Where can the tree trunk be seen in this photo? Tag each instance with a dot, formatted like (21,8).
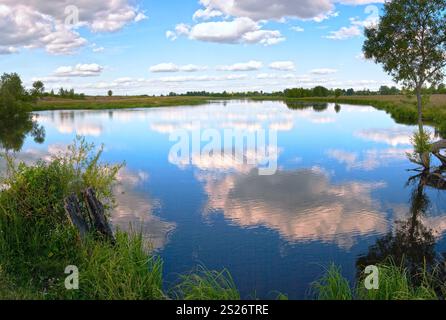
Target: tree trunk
(436,151)
(425,157)
(420,109)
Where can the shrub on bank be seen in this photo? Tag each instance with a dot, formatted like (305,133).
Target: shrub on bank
(37,241)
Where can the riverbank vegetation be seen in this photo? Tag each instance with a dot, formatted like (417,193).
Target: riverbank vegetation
(395,283)
(403,109)
(38,242)
(115,102)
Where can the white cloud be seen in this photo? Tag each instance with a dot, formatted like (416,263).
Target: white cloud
(164,67)
(258,10)
(242,21)
(171,67)
(265,37)
(356,26)
(323,71)
(79,70)
(98,49)
(192,68)
(297,29)
(41,24)
(325,16)
(239,30)
(283,66)
(270,9)
(246,66)
(206,14)
(8,50)
(345,33)
(171,35)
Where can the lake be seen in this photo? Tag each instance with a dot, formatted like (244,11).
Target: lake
(334,182)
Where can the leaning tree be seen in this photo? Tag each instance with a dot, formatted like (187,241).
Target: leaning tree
(410,42)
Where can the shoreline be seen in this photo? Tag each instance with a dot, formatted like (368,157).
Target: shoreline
(401,108)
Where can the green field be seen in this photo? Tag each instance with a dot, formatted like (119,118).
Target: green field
(115,102)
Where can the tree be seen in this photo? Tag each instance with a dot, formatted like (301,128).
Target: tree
(410,43)
(11,84)
(16,122)
(350,92)
(38,88)
(320,91)
(384,90)
(338,93)
(110,93)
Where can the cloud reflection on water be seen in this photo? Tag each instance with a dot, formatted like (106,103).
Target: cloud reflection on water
(300,205)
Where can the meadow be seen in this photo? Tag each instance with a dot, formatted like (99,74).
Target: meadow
(118,102)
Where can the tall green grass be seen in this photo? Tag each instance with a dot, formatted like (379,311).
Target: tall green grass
(395,283)
(332,286)
(37,241)
(207,285)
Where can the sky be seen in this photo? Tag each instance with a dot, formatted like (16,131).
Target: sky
(155,47)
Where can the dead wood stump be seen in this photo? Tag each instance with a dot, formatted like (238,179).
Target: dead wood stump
(88,215)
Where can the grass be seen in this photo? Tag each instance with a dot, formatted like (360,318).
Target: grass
(395,283)
(207,285)
(332,286)
(37,242)
(98,103)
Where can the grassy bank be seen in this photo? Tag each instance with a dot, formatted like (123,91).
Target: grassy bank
(394,283)
(38,242)
(402,108)
(115,103)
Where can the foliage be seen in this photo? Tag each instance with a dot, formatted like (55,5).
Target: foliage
(38,89)
(410,41)
(394,284)
(36,240)
(15,120)
(421,142)
(124,271)
(332,286)
(207,285)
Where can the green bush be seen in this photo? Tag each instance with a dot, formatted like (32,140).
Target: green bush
(37,242)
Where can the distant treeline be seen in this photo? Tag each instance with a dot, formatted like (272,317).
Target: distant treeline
(64,93)
(226,94)
(383,90)
(318,91)
(38,91)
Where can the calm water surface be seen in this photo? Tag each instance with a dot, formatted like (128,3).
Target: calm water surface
(340,186)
